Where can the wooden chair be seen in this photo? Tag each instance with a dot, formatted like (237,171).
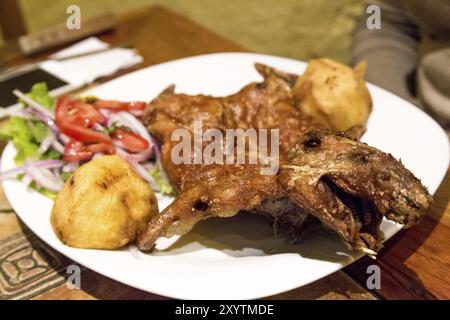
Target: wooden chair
(11,20)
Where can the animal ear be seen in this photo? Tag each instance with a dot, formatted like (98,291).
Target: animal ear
(265,71)
(169,90)
(262,69)
(360,70)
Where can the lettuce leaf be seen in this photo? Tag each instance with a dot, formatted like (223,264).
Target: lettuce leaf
(17,130)
(51,154)
(66,175)
(163,186)
(39,131)
(26,137)
(43,191)
(39,93)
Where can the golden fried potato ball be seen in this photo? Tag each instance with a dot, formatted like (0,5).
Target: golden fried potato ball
(334,94)
(103,205)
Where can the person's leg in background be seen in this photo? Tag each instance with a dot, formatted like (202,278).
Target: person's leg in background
(391,52)
(411,51)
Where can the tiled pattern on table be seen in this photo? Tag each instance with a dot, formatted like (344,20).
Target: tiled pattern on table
(28,267)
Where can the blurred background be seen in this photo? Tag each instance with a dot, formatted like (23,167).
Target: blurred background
(288,28)
(408,53)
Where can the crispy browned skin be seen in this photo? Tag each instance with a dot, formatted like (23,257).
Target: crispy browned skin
(223,190)
(346,184)
(350,186)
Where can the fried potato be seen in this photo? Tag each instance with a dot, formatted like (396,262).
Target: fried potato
(334,94)
(103,205)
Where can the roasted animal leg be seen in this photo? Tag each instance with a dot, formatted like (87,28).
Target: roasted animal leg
(223,197)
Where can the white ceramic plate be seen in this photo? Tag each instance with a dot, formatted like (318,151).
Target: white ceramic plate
(237,258)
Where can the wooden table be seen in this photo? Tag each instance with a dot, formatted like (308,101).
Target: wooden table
(415,264)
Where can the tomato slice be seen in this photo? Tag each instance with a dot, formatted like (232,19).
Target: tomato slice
(74,119)
(130,141)
(83,134)
(101,147)
(77,151)
(84,114)
(120,105)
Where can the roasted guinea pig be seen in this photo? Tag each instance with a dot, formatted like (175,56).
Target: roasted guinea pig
(322,175)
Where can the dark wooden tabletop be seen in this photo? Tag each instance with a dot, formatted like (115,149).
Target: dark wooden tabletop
(414,264)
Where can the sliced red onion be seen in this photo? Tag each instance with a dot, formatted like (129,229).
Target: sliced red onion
(144,174)
(46,143)
(33,104)
(127,119)
(70,167)
(57,146)
(134,160)
(157,150)
(64,139)
(118,144)
(137,113)
(105,119)
(27,180)
(98,155)
(45,164)
(48,163)
(136,157)
(134,124)
(44,177)
(11,111)
(39,172)
(105,112)
(148,166)
(49,122)
(142,156)
(12,173)
(106,116)
(140,169)
(98,127)
(50,141)
(23,114)
(116,120)
(122,153)
(55,172)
